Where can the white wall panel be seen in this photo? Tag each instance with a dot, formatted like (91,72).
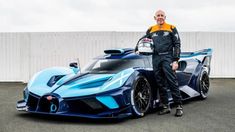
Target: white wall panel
(23,54)
(10,56)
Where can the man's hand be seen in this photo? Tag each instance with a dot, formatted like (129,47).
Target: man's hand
(174,65)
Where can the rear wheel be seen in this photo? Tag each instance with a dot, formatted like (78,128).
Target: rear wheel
(204,85)
(141,96)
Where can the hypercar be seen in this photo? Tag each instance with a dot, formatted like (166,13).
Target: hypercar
(118,84)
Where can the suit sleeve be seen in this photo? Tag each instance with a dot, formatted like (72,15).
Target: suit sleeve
(176,44)
(147,35)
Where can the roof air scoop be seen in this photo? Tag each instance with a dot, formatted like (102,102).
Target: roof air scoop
(117,51)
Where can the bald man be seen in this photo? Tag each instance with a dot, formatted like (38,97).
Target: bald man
(165,61)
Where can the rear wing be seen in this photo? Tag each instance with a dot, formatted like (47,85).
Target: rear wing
(199,55)
(203,56)
(205,52)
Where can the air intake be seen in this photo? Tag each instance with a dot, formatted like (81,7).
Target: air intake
(117,51)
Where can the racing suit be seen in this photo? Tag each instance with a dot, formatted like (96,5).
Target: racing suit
(166,50)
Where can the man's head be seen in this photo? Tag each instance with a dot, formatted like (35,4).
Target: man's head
(160,17)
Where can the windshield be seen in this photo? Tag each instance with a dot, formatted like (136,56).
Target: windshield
(113,65)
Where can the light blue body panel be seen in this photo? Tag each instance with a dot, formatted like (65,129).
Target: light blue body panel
(86,85)
(108,101)
(113,81)
(38,84)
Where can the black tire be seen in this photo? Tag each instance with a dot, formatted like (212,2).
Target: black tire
(141,96)
(204,84)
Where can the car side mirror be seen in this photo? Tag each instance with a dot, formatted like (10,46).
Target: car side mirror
(74,64)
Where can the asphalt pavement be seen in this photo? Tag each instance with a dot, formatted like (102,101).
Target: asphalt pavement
(215,114)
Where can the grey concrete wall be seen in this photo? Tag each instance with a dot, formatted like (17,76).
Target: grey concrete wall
(23,54)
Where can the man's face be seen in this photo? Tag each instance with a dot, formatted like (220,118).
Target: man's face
(160,17)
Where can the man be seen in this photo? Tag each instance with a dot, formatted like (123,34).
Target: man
(165,61)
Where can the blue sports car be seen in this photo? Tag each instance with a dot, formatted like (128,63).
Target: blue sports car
(115,85)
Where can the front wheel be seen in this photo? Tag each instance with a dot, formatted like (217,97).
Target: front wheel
(141,96)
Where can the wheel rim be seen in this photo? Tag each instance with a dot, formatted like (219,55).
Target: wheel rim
(142,96)
(205,84)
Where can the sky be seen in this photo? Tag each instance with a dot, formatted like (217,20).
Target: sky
(114,15)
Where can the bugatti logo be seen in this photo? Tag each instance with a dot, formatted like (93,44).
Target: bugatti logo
(53,107)
(49,98)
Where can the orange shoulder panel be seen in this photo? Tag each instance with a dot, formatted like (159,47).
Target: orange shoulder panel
(165,27)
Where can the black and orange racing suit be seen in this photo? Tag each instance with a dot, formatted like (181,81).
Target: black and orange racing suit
(166,50)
